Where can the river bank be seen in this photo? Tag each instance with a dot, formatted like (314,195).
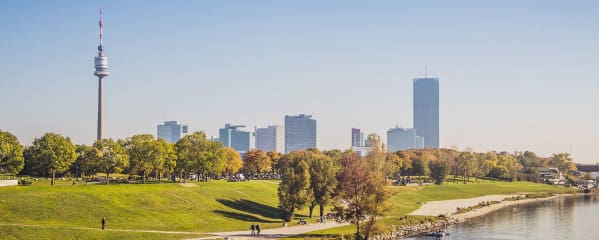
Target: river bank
(450,212)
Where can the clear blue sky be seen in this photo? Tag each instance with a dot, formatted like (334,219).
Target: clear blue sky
(514,75)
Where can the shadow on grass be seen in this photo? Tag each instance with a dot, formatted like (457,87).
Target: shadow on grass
(242,216)
(252,207)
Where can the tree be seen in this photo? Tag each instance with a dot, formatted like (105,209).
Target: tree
(393,164)
(112,157)
(86,160)
(256,162)
(274,160)
(53,154)
(233,161)
(294,188)
(439,171)
(195,153)
(363,192)
(420,167)
(322,181)
(168,158)
(143,154)
(11,154)
(563,162)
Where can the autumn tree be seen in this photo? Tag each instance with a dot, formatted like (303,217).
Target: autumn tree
(112,157)
(256,162)
(233,161)
(363,193)
(11,154)
(294,188)
(322,181)
(274,160)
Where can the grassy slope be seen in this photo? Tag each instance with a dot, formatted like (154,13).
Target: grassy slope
(17,232)
(213,206)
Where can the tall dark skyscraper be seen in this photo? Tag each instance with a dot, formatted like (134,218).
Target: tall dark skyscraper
(426,110)
(357,137)
(300,132)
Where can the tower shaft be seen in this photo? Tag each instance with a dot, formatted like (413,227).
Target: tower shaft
(100,110)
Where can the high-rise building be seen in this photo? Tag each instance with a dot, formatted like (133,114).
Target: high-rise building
(171,131)
(426,110)
(270,138)
(403,139)
(357,137)
(300,132)
(231,136)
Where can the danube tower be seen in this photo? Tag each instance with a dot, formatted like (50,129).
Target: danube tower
(101,72)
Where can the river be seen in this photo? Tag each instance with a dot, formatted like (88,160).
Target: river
(573,217)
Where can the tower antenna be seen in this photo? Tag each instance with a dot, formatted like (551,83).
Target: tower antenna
(101,23)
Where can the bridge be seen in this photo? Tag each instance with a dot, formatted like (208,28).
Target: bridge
(587,167)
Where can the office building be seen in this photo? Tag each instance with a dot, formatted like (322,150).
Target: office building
(171,131)
(357,137)
(232,136)
(270,138)
(300,132)
(403,139)
(426,110)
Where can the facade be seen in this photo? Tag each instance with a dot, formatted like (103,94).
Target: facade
(300,132)
(270,138)
(171,131)
(357,137)
(231,136)
(403,139)
(426,110)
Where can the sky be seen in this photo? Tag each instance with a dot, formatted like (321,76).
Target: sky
(514,75)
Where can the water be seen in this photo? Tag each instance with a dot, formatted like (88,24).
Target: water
(574,217)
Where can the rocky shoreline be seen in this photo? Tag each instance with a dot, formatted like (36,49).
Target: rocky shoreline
(456,218)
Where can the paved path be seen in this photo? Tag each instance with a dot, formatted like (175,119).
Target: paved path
(100,229)
(274,233)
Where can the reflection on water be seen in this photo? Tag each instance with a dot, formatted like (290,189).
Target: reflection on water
(561,218)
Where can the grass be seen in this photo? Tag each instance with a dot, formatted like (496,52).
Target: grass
(205,207)
(408,199)
(208,207)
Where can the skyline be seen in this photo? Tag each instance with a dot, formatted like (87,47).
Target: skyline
(511,73)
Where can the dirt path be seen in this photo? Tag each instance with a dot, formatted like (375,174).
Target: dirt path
(448,207)
(274,233)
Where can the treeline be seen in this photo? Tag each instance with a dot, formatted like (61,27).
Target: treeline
(53,155)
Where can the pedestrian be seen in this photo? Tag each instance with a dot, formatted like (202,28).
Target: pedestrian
(257,229)
(253,228)
(103,223)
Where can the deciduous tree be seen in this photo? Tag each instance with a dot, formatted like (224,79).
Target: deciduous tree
(11,154)
(53,153)
(294,188)
(112,157)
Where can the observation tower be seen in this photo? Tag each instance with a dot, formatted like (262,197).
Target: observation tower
(101,72)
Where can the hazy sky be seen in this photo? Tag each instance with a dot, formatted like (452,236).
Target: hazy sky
(514,75)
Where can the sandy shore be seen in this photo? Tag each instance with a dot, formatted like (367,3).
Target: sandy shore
(449,207)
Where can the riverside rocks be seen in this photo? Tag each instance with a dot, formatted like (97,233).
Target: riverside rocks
(417,229)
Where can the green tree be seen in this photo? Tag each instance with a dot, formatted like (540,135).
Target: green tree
(420,167)
(11,154)
(322,181)
(439,171)
(112,157)
(168,158)
(294,188)
(86,163)
(233,161)
(195,153)
(53,153)
(143,153)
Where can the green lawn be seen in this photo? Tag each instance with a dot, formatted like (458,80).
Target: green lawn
(204,207)
(207,207)
(407,199)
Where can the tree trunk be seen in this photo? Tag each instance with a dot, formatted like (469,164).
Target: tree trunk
(143,178)
(52,182)
(321,210)
(311,207)
(107,179)
(198,176)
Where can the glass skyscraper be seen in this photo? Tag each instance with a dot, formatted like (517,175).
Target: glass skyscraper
(231,136)
(357,137)
(300,132)
(270,138)
(403,139)
(426,110)
(171,131)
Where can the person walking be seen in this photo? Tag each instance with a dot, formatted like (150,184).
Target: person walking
(257,229)
(253,228)
(103,223)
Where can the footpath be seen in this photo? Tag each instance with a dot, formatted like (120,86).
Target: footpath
(274,233)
